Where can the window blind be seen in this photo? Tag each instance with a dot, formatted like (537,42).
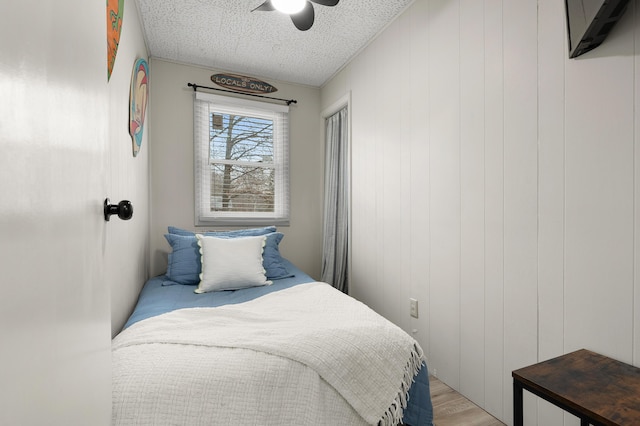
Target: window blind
(241,161)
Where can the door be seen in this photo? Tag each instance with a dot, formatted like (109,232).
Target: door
(54,303)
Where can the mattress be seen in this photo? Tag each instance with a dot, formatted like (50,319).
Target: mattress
(160,295)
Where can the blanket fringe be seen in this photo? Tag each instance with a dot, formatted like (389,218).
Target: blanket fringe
(393,415)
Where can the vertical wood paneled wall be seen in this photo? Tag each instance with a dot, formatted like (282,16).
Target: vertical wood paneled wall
(497,182)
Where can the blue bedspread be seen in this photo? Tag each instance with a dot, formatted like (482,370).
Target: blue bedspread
(160,295)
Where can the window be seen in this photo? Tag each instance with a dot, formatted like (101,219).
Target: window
(241,161)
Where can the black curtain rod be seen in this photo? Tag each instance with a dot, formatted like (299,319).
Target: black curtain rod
(196,87)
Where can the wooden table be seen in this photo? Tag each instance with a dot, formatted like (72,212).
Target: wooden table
(597,389)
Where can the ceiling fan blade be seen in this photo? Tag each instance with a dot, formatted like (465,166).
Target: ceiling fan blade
(303,20)
(267,6)
(326,2)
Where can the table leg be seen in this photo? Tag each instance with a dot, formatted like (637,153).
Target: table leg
(584,422)
(517,404)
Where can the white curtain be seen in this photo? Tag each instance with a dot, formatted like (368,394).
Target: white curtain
(336,202)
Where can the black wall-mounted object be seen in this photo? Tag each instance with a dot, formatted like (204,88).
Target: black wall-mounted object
(124,209)
(590,21)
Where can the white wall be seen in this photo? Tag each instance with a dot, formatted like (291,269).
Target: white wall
(171,134)
(497,182)
(127,242)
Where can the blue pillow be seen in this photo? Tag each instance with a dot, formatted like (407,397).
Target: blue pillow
(184,265)
(184,259)
(271,258)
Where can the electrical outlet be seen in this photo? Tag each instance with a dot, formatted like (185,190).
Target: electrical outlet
(413,308)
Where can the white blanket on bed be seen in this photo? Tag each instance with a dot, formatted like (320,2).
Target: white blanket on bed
(368,360)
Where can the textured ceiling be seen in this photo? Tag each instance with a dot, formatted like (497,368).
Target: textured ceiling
(226,35)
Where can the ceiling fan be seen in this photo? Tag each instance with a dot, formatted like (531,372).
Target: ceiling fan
(300,11)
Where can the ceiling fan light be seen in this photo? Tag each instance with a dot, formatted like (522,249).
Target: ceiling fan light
(290,7)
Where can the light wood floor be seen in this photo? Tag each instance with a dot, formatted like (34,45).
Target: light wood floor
(452,409)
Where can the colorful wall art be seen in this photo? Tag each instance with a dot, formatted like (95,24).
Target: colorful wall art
(138,97)
(115,9)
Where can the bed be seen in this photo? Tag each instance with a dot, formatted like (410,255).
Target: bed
(203,347)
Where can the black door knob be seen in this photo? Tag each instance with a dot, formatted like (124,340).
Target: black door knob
(124,209)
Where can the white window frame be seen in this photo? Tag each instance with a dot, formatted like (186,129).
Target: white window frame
(204,105)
